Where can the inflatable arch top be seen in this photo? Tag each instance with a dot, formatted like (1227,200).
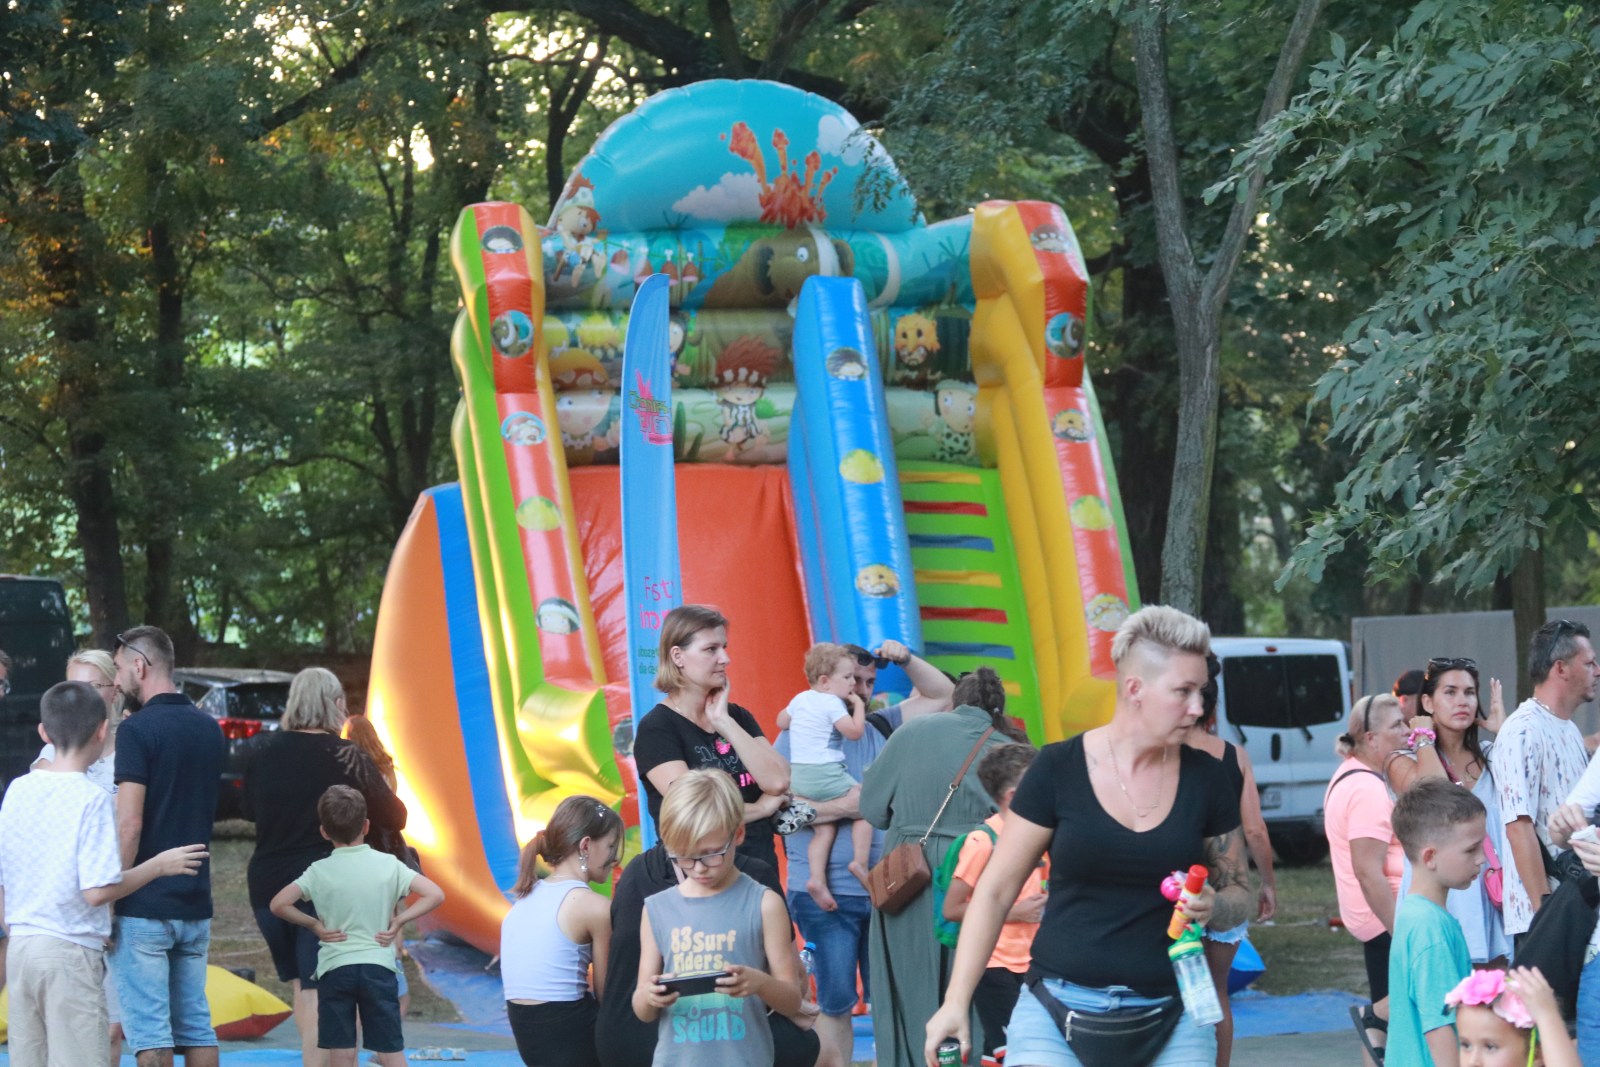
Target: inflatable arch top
(882,428)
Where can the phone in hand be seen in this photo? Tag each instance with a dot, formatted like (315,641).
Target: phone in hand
(693,985)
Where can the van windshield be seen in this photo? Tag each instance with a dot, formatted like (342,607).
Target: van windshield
(1282,692)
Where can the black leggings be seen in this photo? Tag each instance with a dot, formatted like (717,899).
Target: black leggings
(555,1034)
(1376,953)
(995,998)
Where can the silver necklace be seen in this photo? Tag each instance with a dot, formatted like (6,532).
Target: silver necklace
(1160,782)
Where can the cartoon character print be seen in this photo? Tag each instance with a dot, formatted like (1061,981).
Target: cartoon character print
(956,406)
(771,270)
(1072,425)
(739,380)
(916,343)
(575,224)
(601,337)
(677,340)
(500,240)
(1049,238)
(847,363)
(557,616)
(877,580)
(1063,336)
(583,401)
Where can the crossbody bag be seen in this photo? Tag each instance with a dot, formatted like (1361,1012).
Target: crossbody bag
(902,872)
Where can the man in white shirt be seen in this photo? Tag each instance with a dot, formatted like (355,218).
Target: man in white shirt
(1538,759)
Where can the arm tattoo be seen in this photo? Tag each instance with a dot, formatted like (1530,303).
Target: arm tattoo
(1230,876)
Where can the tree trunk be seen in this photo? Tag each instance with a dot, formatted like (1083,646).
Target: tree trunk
(1527,615)
(1197,298)
(89,483)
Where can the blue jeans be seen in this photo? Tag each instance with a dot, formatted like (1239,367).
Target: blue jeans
(1589,1012)
(841,940)
(1034,1040)
(160,967)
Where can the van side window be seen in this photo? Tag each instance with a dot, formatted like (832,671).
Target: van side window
(1282,692)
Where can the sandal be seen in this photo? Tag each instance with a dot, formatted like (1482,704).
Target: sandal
(1366,1019)
(794,817)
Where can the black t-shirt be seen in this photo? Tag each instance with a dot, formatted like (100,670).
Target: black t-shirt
(175,751)
(664,736)
(1106,920)
(287,775)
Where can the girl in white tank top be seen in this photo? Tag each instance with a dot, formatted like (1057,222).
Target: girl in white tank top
(557,929)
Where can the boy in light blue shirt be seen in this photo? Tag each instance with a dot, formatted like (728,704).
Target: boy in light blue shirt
(355,891)
(1441,827)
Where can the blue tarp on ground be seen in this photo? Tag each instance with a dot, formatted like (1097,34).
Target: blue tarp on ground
(457,973)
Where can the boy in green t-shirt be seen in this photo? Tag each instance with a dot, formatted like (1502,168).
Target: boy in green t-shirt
(1440,825)
(355,891)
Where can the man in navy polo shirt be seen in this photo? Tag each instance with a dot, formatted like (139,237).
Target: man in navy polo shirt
(169,763)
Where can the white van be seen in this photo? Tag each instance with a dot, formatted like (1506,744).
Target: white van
(1285,700)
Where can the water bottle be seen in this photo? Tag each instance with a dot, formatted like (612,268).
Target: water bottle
(808,958)
(1199,992)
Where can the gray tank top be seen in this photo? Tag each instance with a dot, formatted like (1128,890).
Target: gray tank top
(708,934)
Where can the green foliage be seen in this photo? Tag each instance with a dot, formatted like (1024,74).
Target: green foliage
(1467,142)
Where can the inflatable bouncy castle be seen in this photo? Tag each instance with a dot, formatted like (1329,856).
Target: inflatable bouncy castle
(880,428)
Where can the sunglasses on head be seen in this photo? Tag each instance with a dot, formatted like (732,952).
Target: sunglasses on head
(1439,664)
(123,642)
(867,659)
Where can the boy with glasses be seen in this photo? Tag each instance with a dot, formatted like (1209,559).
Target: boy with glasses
(715,920)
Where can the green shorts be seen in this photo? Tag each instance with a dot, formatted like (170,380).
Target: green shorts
(820,781)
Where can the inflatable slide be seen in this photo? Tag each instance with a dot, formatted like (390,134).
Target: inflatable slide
(880,428)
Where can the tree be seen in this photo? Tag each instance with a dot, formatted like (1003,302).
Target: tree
(1465,393)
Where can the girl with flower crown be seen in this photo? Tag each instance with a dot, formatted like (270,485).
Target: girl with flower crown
(1510,1021)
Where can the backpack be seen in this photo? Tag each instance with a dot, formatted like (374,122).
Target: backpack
(944,929)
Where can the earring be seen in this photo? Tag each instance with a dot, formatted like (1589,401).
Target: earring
(583,862)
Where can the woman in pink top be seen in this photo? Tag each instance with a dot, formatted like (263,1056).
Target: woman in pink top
(1367,861)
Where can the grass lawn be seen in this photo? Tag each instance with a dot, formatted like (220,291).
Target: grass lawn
(236,942)
(1301,951)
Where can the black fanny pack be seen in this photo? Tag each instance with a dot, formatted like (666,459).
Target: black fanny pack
(1128,1037)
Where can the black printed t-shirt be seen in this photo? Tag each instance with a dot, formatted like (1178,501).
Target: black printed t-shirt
(1105,923)
(664,736)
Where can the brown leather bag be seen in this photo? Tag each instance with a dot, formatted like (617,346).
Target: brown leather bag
(902,872)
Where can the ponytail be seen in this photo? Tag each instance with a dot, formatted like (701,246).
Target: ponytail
(528,866)
(984,690)
(574,819)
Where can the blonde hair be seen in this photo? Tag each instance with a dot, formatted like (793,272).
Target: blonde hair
(100,660)
(314,697)
(822,658)
(1360,719)
(97,658)
(699,804)
(677,630)
(1160,627)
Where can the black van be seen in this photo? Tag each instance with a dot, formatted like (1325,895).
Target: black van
(36,632)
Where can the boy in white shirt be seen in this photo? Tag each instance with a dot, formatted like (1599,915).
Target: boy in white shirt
(60,869)
(820,720)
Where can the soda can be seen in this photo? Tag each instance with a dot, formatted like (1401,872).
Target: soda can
(950,1053)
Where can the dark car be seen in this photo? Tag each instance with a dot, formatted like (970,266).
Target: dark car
(36,632)
(246,703)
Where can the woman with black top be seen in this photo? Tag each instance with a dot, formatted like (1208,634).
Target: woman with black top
(288,773)
(1119,807)
(1223,945)
(697,727)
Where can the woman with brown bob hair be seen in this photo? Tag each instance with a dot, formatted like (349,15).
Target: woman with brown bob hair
(696,726)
